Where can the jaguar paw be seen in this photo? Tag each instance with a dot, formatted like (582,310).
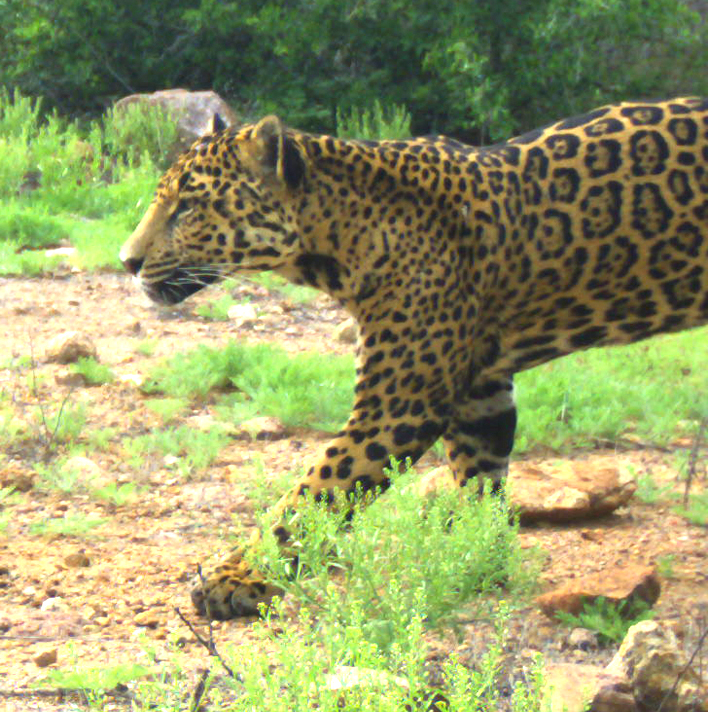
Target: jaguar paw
(231,590)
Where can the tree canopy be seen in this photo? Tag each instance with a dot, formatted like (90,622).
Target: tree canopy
(481,70)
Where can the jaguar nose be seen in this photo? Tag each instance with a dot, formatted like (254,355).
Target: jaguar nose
(133,265)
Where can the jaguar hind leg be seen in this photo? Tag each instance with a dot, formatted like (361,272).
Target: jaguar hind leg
(480,435)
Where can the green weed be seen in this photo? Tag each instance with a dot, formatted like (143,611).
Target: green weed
(101,438)
(696,511)
(147,347)
(406,557)
(74,525)
(167,408)
(649,492)
(608,619)
(117,494)
(93,372)
(306,389)
(194,449)
(665,565)
(61,424)
(94,682)
(377,123)
(57,475)
(59,183)
(296,293)
(217,309)
(602,394)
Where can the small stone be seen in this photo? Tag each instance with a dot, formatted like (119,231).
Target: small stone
(54,603)
(132,379)
(77,560)
(70,379)
(264,428)
(87,472)
(583,639)
(46,658)
(146,619)
(69,347)
(17,477)
(347,332)
(242,315)
(170,461)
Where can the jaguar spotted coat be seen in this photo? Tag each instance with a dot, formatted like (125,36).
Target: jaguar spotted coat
(461,265)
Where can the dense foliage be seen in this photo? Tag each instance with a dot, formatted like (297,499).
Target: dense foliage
(479,70)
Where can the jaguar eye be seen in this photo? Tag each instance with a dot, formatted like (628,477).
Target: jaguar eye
(181,211)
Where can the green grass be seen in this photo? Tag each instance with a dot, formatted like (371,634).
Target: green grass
(62,183)
(574,402)
(655,390)
(296,293)
(74,525)
(193,449)
(217,309)
(93,372)
(303,390)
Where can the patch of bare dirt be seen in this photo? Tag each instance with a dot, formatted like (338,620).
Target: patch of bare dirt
(93,599)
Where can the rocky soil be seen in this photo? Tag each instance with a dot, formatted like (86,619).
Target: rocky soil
(92,600)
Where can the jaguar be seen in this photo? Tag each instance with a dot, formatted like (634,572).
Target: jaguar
(461,265)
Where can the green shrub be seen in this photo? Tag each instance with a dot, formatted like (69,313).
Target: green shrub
(377,123)
(406,559)
(93,372)
(609,619)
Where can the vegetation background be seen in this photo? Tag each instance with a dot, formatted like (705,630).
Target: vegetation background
(478,70)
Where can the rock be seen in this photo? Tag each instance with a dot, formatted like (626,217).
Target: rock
(170,461)
(192,111)
(15,476)
(132,379)
(77,560)
(347,332)
(88,473)
(346,677)
(146,619)
(582,638)
(70,379)
(618,584)
(577,688)
(264,428)
(60,252)
(69,347)
(46,658)
(650,659)
(54,603)
(568,490)
(242,315)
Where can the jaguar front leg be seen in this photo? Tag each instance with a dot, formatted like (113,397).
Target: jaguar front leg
(401,426)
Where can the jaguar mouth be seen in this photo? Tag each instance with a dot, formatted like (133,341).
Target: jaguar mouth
(181,284)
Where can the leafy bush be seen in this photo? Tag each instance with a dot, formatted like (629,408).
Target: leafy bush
(609,619)
(480,71)
(407,559)
(376,123)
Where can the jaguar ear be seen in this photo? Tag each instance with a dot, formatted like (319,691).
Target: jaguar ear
(276,152)
(217,124)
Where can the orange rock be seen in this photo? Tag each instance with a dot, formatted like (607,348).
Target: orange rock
(616,584)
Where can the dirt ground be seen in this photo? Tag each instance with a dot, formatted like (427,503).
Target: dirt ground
(93,599)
